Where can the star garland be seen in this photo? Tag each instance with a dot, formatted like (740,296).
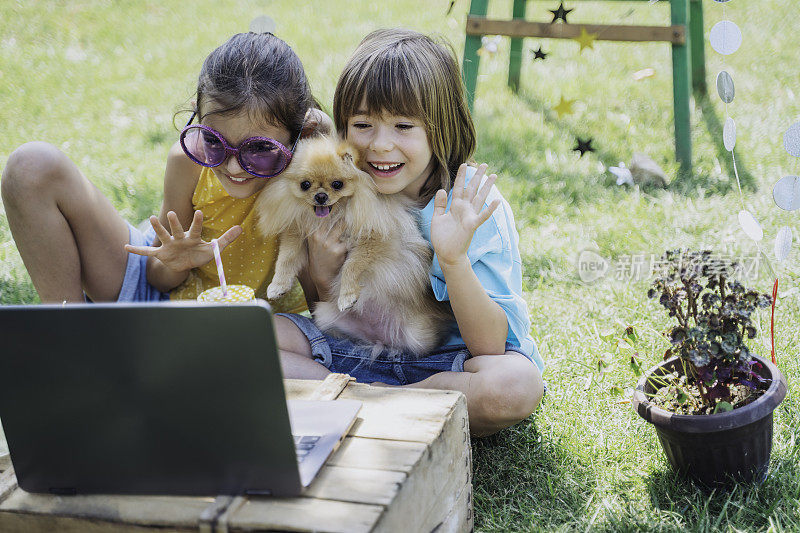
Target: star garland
(560,13)
(564,107)
(584,146)
(538,54)
(585,39)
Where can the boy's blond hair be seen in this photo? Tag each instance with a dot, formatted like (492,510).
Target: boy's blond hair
(406,73)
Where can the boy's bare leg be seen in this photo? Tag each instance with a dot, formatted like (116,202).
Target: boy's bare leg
(295,352)
(501,390)
(70,237)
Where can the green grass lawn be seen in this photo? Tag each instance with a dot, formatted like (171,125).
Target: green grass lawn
(102,81)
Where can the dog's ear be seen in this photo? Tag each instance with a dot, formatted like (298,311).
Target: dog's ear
(276,208)
(348,153)
(316,122)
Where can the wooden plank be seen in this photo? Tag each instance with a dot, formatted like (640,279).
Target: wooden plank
(300,389)
(221,525)
(208,518)
(397,456)
(36,523)
(675,34)
(447,497)
(433,486)
(8,483)
(357,485)
(304,514)
(461,517)
(414,415)
(330,388)
(411,415)
(177,512)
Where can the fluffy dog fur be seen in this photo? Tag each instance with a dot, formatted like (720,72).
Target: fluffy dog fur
(382,293)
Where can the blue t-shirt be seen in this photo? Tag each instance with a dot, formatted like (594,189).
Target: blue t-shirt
(495,259)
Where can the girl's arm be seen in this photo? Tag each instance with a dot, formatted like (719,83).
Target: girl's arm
(180,181)
(482,322)
(175,252)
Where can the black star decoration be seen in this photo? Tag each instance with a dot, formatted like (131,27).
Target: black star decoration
(560,13)
(583,146)
(538,54)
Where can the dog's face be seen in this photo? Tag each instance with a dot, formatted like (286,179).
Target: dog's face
(324,173)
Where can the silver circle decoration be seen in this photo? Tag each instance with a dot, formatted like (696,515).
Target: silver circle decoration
(262,24)
(750,225)
(729,134)
(725,87)
(783,243)
(725,37)
(786,193)
(791,139)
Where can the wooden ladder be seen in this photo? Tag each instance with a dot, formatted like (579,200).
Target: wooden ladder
(688,58)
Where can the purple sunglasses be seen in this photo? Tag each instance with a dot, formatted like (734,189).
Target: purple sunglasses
(261,157)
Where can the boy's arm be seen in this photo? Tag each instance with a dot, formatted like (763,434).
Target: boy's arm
(180,181)
(483,324)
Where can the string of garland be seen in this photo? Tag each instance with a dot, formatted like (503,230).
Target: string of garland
(726,38)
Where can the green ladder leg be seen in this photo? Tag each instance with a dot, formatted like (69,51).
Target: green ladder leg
(471,58)
(681,87)
(515,57)
(698,42)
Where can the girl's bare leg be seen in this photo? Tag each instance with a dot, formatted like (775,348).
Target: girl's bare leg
(69,235)
(501,390)
(296,359)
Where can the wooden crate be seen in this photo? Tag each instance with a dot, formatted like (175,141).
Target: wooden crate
(406,465)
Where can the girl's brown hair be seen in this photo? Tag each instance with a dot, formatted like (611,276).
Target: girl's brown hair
(260,74)
(406,73)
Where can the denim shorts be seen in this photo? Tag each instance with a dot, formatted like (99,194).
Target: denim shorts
(347,356)
(135,287)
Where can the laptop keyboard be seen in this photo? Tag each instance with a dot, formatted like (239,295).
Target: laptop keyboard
(304,444)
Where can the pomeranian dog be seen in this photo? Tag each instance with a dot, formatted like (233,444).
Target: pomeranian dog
(382,294)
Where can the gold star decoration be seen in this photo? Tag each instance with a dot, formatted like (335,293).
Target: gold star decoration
(586,39)
(564,107)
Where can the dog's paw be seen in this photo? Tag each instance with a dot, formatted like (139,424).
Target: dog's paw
(277,289)
(347,300)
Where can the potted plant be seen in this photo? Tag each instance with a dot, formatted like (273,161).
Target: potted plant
(710,400)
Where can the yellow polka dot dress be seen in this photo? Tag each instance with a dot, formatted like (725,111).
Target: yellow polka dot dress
(249,260)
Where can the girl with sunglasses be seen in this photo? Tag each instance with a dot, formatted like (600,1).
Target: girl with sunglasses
(253,102)
(400,101)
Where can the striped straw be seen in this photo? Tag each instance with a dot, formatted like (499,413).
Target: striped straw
(220,271)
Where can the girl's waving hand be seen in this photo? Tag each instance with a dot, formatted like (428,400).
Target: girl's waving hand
(180,250)
(452,231)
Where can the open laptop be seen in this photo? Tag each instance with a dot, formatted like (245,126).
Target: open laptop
(175,398)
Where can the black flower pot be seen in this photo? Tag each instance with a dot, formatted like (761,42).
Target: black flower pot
(721,448)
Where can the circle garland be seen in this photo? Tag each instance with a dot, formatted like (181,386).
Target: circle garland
(725,38)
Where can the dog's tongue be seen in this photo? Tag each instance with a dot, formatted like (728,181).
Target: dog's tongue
(322,210)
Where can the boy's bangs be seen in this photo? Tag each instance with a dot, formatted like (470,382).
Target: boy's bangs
(392,87)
